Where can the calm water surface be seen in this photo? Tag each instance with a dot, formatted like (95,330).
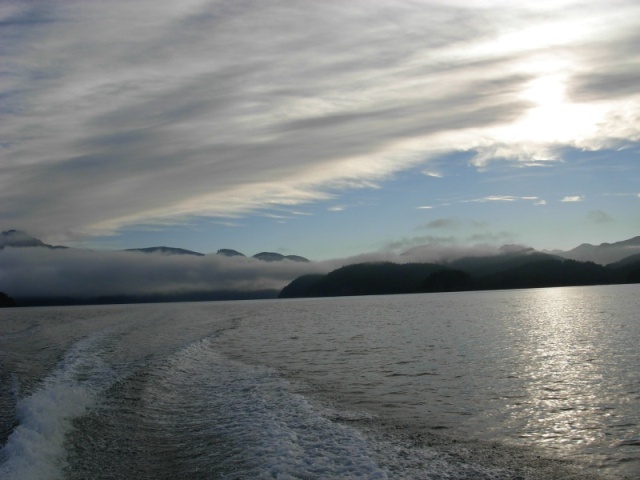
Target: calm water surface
(298,388)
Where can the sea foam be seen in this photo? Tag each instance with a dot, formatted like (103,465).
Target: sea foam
(35,449)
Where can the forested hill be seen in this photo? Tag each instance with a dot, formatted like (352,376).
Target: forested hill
(533,271)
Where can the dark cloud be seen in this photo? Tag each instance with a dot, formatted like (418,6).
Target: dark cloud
(443,223)
(609,76)
(603,85)
(491,238)
(454,223)
(407,243)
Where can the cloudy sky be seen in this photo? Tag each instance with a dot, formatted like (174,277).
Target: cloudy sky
(320,128)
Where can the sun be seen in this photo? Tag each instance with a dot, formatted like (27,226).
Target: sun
(553,118)
(545,91)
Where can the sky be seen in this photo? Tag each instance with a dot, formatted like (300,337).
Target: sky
(325,129)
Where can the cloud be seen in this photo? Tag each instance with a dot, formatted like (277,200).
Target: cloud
(598,216)
(127,113)
(573,198)
(443,223)
(503,198)
(498,198)
(445,249)
(85,273)
(230,224)
(441,248)
(276,216)
(490,238)
(78,273)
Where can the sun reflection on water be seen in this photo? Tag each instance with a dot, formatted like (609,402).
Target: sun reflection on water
(563,371)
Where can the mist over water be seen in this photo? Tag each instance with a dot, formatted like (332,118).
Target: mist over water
(411,386)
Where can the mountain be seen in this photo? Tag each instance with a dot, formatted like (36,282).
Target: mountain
(83,276)
(296,258)
(509,257)
(632,259)
(18,238)
(626,270)
(605,253)
(227,252)
(512,269)
(278,257)
(37,274)
(546,273)
(363,279)
(263,256)
(165,251)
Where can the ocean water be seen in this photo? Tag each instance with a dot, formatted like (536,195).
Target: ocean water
(521,384)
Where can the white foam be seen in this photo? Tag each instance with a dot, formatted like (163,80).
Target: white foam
(35,449)
(267,431)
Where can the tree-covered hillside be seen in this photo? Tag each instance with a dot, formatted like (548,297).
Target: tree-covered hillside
(502,272)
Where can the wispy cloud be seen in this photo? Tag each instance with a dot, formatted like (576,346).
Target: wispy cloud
(573,198)
(490,238)
(230,224)
(598,216)
(498,198)
(445,223)
(126,113)
(276,216)
(503,198)
(434,248)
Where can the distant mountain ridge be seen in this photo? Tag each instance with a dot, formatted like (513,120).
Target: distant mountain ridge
(165,251)
(18,238)
(278,257)
(227,252)
(602,254)
(508,258)
(605,253)
(513,266)
(504,271)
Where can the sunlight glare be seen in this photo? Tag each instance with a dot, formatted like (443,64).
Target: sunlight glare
(553,118)
(546,91)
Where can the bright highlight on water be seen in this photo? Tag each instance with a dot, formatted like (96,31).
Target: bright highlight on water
(489,385)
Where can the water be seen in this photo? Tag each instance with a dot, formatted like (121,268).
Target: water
(497,385)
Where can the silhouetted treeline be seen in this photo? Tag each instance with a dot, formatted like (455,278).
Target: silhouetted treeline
(506,272)
(362,279)
(6,300)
